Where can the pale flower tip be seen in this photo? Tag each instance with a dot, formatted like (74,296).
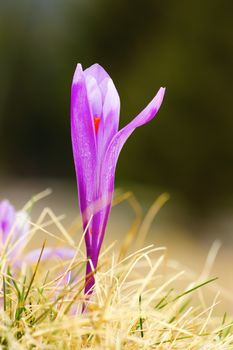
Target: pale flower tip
(160,94)
(162,90)
(78,73)
(96,65)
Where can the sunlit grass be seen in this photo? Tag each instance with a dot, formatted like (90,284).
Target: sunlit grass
(142,299)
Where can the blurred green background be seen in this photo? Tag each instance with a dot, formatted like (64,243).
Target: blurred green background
(183,45)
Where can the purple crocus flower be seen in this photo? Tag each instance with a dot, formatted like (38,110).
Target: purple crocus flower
(96,141)
(17,225)
(14,229)
(12,223)
(50,253)
(7,218)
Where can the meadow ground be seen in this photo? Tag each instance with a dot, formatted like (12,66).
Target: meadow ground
(154,290)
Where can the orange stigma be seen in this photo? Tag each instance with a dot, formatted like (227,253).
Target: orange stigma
(96,123)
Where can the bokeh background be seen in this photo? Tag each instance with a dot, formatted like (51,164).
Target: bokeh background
(187,151)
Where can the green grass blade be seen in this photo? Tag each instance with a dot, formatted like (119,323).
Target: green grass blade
(35,272)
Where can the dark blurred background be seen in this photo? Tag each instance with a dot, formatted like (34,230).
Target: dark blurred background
(183,45)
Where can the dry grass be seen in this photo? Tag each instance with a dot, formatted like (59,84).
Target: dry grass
(142,299)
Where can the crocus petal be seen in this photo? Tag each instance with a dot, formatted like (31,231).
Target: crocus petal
(83,142)
(49,253)
(111,105)
(110,113)
(97,72)
(118,141)
(109,123)
(7,218)
(121,137)
(94,96)
(21,228)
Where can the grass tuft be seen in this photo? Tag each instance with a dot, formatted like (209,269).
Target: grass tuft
(141,301)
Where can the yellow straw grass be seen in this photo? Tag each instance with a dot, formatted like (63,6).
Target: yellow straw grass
(142,299)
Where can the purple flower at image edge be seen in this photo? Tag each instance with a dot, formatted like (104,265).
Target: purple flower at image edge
(13,224)
(14,231)
(7,218)
(17,224)
(97,142)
